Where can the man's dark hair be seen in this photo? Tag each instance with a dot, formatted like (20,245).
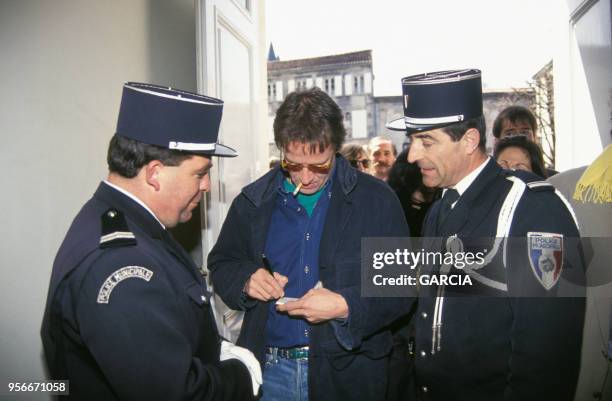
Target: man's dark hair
(515,115)
(309,117)
(533,151)
(127,156)
(404,175)
(405,179)
(456,131)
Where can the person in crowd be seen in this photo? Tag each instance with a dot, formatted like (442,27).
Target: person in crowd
(519,153)
(515,121)
(589,190)
(356,155)
(518,121)
(507,346)
(406,180)
(289,255)
(382,153)
(128,314)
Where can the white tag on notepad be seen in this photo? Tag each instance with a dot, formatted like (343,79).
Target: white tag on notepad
(284,300)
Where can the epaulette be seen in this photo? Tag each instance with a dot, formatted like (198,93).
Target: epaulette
(540,186)
(115,230)
(533,181)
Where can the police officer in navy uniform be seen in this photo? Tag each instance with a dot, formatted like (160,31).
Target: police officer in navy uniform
(515,333)
(128,314)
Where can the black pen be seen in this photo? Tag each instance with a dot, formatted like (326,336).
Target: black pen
(267,264)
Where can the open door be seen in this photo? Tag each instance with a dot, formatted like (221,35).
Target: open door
(232,66)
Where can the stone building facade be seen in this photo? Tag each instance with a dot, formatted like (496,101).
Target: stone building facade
(349,80)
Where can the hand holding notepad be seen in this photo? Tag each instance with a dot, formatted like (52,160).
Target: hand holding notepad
(317,305)
(284,300)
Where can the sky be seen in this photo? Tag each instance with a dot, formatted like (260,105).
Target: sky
(509,40)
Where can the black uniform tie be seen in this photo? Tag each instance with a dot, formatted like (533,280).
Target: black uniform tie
(450,196)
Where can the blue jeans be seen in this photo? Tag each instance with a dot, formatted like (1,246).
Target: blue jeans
(285,379)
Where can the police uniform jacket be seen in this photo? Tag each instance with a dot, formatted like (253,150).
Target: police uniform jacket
(346,361)
(128,315)
(497,347)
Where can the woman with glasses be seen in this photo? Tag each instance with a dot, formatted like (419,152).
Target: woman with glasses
(356,156)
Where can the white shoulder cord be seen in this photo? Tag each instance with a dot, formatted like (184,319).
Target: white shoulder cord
(569,207)
(504,223)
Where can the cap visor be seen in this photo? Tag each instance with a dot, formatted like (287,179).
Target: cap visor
(396,125)
(224,151)
(400,125)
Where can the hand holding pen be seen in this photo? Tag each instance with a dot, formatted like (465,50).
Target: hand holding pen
(265,284)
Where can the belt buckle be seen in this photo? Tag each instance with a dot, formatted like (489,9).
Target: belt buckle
(297,353)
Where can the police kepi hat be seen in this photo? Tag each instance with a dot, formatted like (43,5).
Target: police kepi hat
(437,99)
(171,118)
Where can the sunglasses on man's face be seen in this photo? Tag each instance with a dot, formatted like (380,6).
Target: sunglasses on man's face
(322,168)
(365,163)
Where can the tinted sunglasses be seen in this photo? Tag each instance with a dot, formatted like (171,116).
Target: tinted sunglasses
(365,163)
(322,168)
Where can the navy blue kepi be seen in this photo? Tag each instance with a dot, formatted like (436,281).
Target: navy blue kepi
(437,99)
(172,118)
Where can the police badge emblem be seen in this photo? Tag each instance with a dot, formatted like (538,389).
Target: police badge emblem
(545,251)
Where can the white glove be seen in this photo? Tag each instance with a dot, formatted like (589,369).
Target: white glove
(231,351)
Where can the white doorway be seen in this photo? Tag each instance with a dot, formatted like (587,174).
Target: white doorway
(232,66)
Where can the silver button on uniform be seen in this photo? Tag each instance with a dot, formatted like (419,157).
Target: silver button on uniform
(423,354)
(424,389)
(424,315)
(306,269)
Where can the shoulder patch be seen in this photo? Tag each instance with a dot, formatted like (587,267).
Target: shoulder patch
(118,276)
(115,230)
(540,186)
(545,251)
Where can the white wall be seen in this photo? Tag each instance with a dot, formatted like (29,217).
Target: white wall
(279,91)
(319,82)
(359,124)
(290,85)
(367,82)
(63,65)
(583,84)
(348,84)
(338,85)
